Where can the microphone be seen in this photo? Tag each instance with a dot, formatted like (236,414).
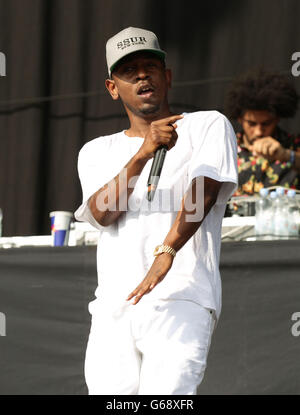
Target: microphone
(157,165)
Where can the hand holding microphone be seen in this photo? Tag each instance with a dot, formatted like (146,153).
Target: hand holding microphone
(162,137)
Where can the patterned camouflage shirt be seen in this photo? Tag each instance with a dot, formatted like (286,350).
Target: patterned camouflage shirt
(258,172)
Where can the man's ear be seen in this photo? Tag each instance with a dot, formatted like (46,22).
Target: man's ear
(169,77)
(112,88)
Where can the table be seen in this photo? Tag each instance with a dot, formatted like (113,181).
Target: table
(44,293)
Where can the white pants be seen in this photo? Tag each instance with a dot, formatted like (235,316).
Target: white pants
(152,348)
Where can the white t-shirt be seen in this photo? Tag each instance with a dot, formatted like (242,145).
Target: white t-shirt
(206,146)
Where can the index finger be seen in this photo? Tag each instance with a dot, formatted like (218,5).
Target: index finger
(171,119)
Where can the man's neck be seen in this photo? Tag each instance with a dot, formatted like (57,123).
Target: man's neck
(139,126)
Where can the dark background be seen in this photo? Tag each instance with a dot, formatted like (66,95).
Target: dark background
(52,99)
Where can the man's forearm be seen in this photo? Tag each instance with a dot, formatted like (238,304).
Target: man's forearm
(109,202)
(183,227)
(181,231)
(297,162)
(179,234)
(287,157)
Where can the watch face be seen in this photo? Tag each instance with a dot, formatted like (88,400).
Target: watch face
(157,250)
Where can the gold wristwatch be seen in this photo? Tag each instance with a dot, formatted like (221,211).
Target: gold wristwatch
(164,248)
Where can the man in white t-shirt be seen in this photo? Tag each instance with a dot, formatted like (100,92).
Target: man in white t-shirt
(159,287)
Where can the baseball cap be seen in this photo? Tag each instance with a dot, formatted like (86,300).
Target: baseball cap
(128,41)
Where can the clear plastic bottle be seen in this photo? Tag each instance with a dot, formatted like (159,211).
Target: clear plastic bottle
(263,214)
(273,196)
(293,214)
(280,214)
(280,191)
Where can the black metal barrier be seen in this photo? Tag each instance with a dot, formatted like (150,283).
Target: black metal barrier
(44,320)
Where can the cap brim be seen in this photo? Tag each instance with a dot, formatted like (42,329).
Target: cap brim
(160,53)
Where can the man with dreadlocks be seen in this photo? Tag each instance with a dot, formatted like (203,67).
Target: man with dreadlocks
(267,155)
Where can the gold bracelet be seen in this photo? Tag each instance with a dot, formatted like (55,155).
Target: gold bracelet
(164,248)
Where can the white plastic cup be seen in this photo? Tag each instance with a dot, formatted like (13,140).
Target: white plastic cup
(60,227)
